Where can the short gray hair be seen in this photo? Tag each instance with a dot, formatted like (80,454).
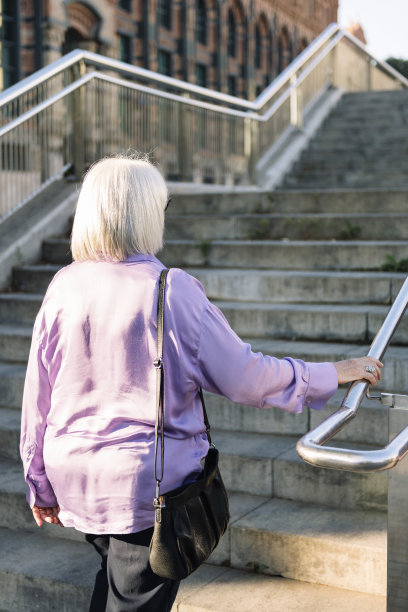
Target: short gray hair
(120,210)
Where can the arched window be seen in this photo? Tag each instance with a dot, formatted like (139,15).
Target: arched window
(164,14)
(284,50)
(72,40)
(258,47)
(303,44)
(201,22)
(232,35)
(126,5)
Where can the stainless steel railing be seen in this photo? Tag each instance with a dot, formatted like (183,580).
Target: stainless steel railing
(84,106)
(310,448)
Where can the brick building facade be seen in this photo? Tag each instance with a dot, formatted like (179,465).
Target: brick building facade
(235,46)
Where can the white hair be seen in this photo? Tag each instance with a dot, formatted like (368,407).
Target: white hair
(120,210)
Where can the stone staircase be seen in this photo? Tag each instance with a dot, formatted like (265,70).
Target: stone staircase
(362,144)
(309,295)
(297,272)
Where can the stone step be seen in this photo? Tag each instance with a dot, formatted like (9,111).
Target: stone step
(343,323)
(257,464)
(15,513)
(279,286)
(395,373)
(288,286)
(339,200)
(363,134)
(57,251)
(320,147)
(19,307)
(356,135)
(64,572)
(285,202)
(283,255)
(340,548)
(345,181)
(15,341)
(10,421)
(349,163)
(11,384)
(347,178)
(34,278)
(327,151)
(266,464)
(36,572)
(219,590)
(348,323)
(370,226)
(357,99)
(332,322)
(381,114)
(369,426)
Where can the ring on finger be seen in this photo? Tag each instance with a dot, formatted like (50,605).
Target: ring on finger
(370,368)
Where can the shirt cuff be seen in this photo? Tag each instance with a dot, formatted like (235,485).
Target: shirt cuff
(40,492)
(323,383)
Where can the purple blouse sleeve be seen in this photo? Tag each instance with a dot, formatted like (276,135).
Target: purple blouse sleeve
(229,367)
(35,409)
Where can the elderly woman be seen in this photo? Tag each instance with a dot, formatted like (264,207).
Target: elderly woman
(87,439)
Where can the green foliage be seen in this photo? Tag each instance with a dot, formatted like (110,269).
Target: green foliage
(350,232)
(204,247)
(258,568)
(394,265)
(399,64)
(261,230)
(19,257)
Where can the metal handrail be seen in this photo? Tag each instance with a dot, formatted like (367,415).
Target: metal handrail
(386,67)
(77,56)
(310,448)
(188,101)
(100,61)
(47,122)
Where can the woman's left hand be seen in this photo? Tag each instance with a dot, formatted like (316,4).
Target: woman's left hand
(46,514)
(359,368)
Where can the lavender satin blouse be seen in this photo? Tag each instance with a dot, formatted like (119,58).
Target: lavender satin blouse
(87,435)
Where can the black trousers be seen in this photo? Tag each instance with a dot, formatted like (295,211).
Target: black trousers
(126,582)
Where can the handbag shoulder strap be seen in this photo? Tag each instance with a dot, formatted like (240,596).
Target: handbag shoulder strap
(159,365)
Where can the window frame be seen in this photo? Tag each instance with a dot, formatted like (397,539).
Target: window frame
(232,34)
(125,5)
(163,53)
(10,47)
(124,36)
(201,22)
(164,14)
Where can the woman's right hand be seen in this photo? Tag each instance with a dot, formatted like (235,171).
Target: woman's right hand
(43,514)
(355,369)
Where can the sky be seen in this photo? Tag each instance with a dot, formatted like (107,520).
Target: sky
(385,24)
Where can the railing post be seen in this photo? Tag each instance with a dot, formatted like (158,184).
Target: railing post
(397,548)
(332,72)
(78,121)
(251,144)
(368,74)
(186,132)
(296,114)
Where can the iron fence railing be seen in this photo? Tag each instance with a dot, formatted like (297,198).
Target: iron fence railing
(85,106)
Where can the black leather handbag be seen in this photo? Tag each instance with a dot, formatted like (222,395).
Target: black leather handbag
(190,520)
